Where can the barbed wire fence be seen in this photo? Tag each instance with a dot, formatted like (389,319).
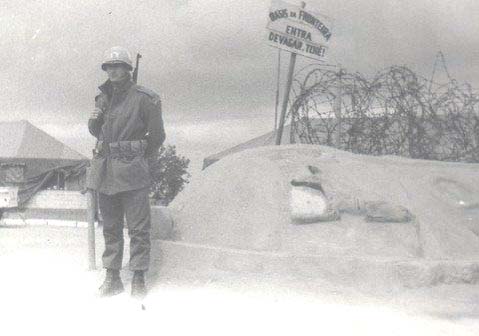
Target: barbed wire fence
(398,112)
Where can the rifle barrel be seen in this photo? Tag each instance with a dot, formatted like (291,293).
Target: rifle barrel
(135,72)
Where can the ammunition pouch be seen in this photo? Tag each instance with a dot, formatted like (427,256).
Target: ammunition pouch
(122,150)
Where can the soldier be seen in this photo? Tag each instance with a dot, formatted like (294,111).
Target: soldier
(128,125)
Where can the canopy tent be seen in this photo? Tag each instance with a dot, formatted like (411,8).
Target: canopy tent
(23,143)
(33,160)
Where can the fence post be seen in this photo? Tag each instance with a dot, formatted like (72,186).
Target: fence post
(338,108)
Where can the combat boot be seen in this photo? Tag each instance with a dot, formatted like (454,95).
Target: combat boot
(138,287)
(112,284)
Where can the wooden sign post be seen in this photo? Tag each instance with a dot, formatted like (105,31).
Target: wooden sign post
(297,31)
(287,90)
(91,207)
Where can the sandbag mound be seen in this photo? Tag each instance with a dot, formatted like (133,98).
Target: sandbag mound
(356,205)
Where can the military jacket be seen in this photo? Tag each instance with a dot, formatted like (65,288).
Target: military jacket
(129,131)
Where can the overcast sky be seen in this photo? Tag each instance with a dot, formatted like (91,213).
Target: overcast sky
(208,59)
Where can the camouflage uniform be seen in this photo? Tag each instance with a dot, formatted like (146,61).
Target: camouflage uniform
(129,131)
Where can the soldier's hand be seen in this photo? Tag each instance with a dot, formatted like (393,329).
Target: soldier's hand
(96,113)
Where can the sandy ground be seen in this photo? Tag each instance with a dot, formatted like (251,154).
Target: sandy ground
(245,201)
(46,288)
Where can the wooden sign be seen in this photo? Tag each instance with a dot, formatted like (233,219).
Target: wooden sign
(297,30)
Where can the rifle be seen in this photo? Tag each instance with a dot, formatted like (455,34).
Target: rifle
(135,72)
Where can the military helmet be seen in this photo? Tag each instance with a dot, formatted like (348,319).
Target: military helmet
(117,55)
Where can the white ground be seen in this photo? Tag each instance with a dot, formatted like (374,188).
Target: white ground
(46,289)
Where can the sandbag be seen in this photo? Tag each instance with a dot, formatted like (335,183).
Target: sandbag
(380,211)
(310,205)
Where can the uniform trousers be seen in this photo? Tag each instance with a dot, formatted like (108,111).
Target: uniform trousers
(134,206)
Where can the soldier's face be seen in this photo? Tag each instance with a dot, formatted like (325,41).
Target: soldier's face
(116,72)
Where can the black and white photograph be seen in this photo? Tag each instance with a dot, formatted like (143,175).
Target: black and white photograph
(249,167)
